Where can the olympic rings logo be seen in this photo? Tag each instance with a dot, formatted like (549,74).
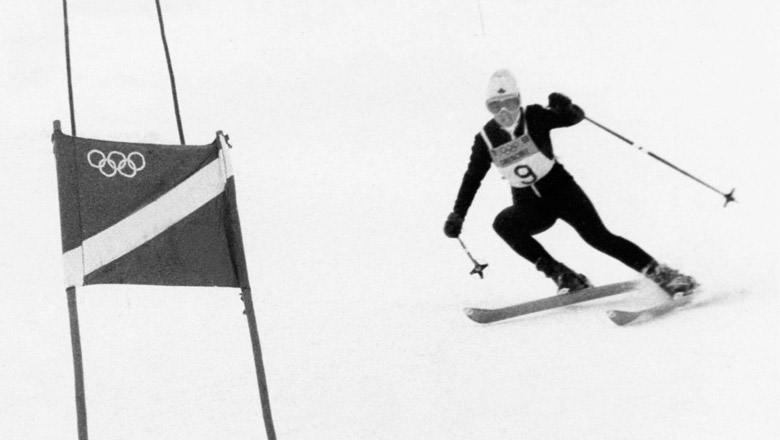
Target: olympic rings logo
(116,162)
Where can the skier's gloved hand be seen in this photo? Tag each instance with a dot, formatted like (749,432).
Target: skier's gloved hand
(559,102)
(453,225)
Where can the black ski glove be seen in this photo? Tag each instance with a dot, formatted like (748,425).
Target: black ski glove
(453,225)
(559,103)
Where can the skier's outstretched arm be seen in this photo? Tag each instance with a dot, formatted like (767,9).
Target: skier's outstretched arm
(479,164)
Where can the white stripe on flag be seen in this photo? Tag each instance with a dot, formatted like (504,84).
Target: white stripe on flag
(74,267)
(146,223)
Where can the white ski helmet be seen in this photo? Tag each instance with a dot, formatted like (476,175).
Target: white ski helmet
(502,84)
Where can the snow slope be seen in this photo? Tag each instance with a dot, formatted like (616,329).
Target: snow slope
(352,126)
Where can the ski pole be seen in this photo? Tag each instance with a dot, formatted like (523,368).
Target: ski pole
(478,268)
(729,196)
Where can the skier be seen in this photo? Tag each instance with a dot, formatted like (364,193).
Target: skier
(517,142)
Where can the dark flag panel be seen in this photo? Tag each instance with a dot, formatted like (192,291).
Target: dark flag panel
(148,214)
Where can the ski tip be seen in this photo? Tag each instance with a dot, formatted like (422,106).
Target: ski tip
(621,318)
(471,313)
(475,315)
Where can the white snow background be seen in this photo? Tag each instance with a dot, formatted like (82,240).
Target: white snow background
(351,124)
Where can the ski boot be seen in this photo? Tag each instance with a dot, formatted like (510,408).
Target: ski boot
(671,281)
(566,279)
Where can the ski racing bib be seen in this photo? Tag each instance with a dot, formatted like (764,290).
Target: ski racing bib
(519,160)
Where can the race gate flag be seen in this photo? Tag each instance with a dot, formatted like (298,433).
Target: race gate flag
(148,214)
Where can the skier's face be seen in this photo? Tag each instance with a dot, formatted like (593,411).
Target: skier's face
(506,110)
(507,118)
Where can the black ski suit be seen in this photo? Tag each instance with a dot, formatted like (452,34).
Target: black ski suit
(555,196)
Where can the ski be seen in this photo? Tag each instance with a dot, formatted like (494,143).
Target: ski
(621,317)
(486,316)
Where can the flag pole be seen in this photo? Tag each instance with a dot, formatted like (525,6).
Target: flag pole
(265,400)
(170,73)
(78,366)
(75,334)
(234,231)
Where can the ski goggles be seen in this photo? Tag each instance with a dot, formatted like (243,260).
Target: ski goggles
(511,103)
